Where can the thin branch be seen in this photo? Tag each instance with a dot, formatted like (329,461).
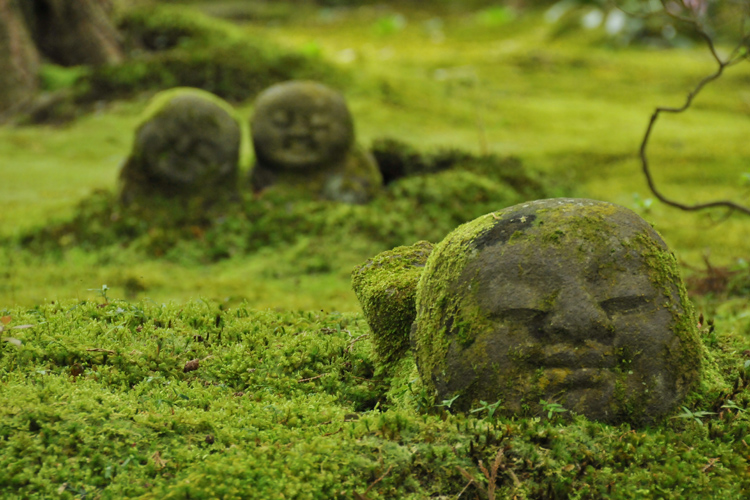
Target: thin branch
(377,480)
(734,58)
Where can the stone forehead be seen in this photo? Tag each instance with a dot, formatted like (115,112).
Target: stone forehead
(190,107)
(302,95)
(561,220)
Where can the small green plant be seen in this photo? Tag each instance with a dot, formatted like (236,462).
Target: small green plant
(694,415)
(448,402)
(491,408)
(102,292)
(552,408)
(731,405)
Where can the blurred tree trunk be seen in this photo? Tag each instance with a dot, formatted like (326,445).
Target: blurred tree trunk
(73,32)
(65,32)
(19,59)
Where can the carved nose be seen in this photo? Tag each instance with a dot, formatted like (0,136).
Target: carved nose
(299,128)
(577,317)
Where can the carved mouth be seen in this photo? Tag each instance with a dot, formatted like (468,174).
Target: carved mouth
(572,357)
(579,378)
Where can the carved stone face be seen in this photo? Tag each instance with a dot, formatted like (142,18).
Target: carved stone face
(301,125)
(191,140)
(565,303)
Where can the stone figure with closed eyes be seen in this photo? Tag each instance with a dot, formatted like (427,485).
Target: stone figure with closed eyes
(571,301)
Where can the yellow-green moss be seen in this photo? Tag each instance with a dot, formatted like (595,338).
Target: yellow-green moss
(386,287)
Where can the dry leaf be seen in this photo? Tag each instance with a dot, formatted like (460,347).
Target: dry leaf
(191,365)
(158,461)
(12,341)
(5,319)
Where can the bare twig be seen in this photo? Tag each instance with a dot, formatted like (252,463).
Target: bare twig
(378,480)
(311,378)
(97,349)
(351,344)
(363,496)
(736,56)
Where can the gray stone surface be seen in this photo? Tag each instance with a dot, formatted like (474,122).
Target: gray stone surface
(572,301)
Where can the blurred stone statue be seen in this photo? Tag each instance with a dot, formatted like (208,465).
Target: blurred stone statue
(303,135)
(187,146)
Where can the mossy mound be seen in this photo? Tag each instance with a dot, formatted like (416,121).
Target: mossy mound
(178,47)
(169,46)
(420,207)
(187,146)
(354,180)
(570,301)
(386,287)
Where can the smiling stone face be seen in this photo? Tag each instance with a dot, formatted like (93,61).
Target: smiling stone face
(301,125)
(573,301)
(304,144)
(188,146)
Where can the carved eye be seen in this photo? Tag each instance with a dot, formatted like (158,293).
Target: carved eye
(319,121)
(521,315)
(625,305)
(281,118)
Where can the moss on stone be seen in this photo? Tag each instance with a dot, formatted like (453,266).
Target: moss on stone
(456,321)
(386,287)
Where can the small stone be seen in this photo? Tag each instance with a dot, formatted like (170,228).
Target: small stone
(576,302)
(386,287)
(303,136)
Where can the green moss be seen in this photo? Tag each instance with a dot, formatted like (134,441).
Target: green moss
(186,48)
(386,287)
(356,180)
(97,401)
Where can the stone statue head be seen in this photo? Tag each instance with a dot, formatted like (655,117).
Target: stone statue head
(301,125)
(572,301)
(188,143)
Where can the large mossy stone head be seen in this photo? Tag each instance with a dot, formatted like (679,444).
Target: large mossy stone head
(301,126)
(571,301)
(188,144)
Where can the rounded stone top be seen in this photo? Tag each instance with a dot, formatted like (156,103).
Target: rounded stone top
(572,301)
(187,138)
(301,125)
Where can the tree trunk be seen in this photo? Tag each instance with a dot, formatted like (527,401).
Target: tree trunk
(19,59)
(73,32)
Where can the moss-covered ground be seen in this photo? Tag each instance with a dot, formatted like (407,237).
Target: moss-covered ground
(225,356)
